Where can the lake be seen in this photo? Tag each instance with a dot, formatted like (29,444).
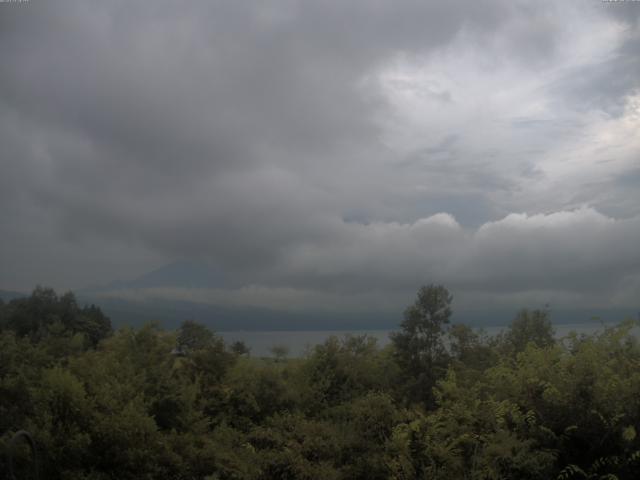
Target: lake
(299,341)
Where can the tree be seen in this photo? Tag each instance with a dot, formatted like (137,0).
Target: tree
(419,348)
(94,324)
(193,336)
(530,327)
(470,348)
(44,314)
(281,352)
(240,348)
(462,341)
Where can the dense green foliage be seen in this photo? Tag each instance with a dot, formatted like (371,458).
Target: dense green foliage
(440,402)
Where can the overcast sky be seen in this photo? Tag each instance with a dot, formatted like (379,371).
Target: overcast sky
(325,154)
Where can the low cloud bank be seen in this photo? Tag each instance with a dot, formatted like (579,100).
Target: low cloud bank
(569,259)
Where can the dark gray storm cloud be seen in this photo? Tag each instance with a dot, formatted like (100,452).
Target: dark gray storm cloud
(318,149)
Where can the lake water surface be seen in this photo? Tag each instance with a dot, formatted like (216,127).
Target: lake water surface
(300,341)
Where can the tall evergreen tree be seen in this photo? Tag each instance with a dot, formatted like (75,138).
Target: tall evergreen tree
(419,346)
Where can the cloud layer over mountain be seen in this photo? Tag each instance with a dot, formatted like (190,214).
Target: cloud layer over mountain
(325,154)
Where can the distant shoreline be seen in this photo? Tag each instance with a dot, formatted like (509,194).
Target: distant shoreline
(298,341)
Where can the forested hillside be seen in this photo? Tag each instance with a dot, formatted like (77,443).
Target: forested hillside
(441,401)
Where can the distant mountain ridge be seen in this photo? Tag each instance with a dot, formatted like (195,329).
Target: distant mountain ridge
(120,301)
(187,274)
(8,295)
(182,274)
(170,313)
